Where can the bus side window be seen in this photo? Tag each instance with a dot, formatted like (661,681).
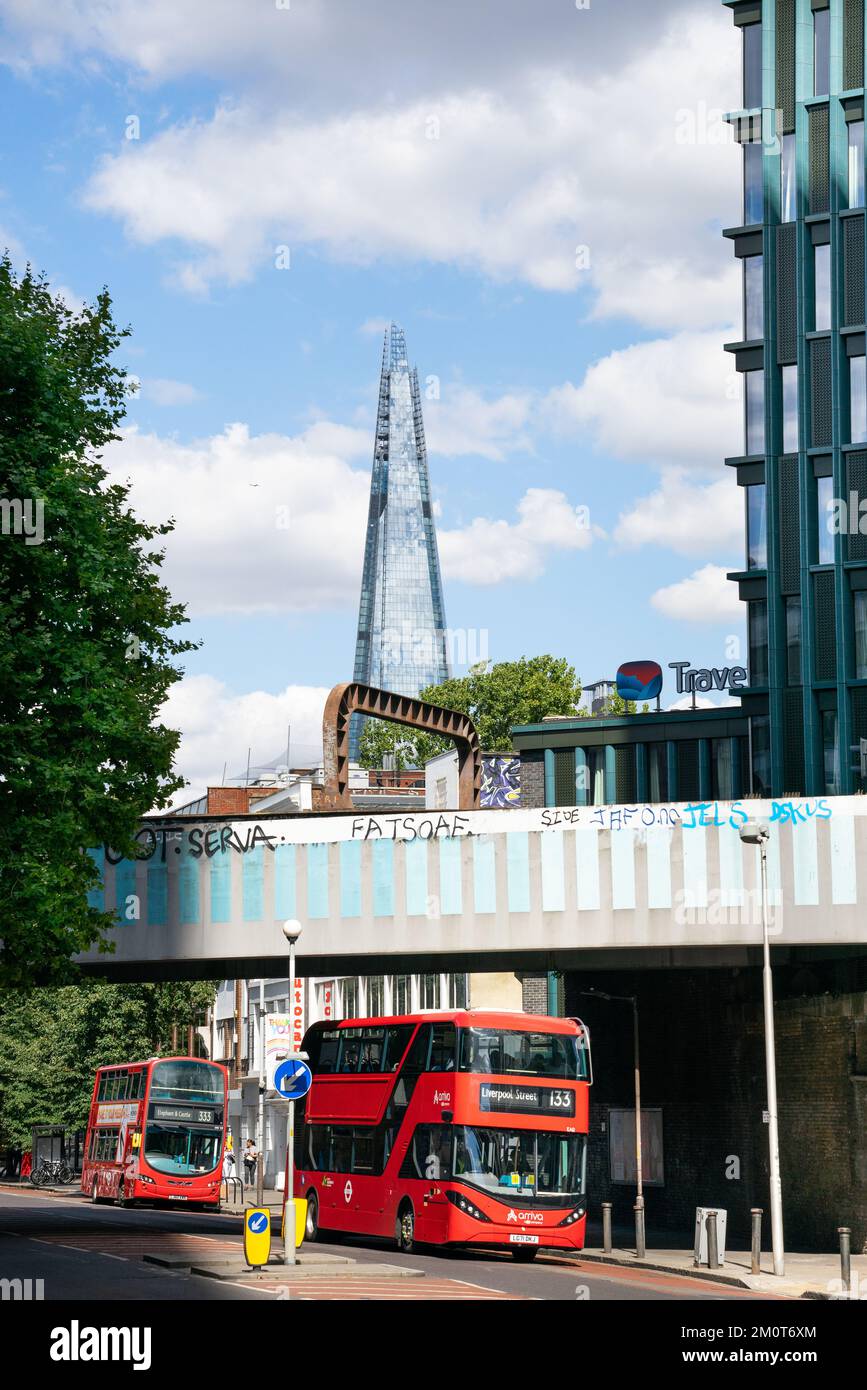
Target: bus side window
(443,1048)
(341,1150)
(416,1058)
(326,1061)
(397,1035)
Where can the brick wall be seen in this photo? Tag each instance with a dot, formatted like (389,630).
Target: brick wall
(532,780)
(702,1061)
(535,994)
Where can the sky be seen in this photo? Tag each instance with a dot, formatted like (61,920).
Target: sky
(534,191)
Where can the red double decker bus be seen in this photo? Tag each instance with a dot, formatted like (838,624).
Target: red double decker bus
(465,1128)
(156,1132)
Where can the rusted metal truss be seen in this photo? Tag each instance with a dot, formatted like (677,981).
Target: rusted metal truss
(353,697)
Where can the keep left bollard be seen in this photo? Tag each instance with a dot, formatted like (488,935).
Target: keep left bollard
(640,1243)
(712,1244)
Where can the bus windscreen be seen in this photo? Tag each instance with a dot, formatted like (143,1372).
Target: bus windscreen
(561,1056)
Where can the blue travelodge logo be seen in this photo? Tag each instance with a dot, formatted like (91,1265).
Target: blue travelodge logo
(639,680)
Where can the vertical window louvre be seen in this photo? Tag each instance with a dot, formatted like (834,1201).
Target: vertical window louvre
(853,44)
(785,26)
(819,155)
(793,742)
(856,479)
(826,637)
(564,777)
(853,270)
(820,391)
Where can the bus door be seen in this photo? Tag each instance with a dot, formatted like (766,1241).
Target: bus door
(431,1159)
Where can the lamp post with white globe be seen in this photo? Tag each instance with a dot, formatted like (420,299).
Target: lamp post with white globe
(291,931)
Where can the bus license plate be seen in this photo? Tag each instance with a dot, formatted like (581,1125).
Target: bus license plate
(177,1197)
(524,1240)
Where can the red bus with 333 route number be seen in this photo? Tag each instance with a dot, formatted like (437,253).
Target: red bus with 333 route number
(464,1128)
(156,1132)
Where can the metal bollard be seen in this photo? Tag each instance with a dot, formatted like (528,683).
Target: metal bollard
(756,1261)
(606,1227)
(845,1235)
(712,1245)
(640,1245)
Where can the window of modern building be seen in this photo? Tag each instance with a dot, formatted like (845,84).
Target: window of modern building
(754,298)
(596,767)
(757,527)
(754,412)
(752,66)
(825,521)
(860,614)
(821,52)
(458,992)
(757,631)
(788,211)
(760,740)
(401,993)
(753,200)
(657,772)
(790,410)
(792,609)
(822,287)
(375,996)
(857,399)
(831,752)
(350,998)
(429,991)
(855,131)
(722,769)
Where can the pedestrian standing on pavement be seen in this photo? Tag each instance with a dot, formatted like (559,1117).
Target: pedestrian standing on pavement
(251,1155)
(228,1163)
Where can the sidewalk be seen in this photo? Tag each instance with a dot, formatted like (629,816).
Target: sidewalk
(806,1276)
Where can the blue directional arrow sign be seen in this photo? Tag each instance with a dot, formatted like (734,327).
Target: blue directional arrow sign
(293,1079)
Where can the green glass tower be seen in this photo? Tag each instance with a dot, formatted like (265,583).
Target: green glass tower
(801,357)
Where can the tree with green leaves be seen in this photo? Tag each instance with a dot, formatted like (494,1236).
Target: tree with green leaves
(86,651)
(53,1040)
(496,696)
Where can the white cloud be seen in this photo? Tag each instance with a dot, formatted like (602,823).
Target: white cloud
(522,174)
(690,519)
(218,727)
(703,597)
(462,422)
(164,391)
(489,552)
(374,327)
(671,401)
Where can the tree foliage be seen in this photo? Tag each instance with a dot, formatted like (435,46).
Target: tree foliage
(53,1040)
(85,645)
(496,697)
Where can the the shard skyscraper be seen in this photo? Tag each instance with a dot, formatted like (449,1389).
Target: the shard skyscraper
(401,643)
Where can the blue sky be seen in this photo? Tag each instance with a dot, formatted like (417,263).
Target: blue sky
(539,205)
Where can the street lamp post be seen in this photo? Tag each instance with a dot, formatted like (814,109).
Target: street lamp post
(260,1167)
(757,833)
(291,931)
(640,1235)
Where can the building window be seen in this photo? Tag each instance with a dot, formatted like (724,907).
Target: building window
(757,627)
(722,772)
(792,607)
(830,752)
(825,520)
(350,998)
(860,610)
(753,201)
(760,738)
(757,527)
(657,771)
(754,298)
(401,989)
(821,52)
(376,996)
(458,992)
(790,410)
(429,990)
(855,131)
(754,411)
(857,399)
(822,287)
(752,66)
(596,763)
(788,210)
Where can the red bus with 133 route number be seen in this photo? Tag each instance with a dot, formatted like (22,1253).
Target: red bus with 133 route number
(464,1127)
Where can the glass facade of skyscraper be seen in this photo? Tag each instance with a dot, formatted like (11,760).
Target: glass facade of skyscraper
(401,643)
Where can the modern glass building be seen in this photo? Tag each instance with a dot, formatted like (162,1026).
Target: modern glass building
(803,469)
(401,643)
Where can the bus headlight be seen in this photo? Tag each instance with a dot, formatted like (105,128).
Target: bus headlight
(469,1208)
(142,1177)
(574,1215)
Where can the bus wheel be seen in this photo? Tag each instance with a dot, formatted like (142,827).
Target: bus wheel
(525,1254)
(311,1227)
(404,1232)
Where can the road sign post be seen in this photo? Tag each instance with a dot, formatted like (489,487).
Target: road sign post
(292,1080)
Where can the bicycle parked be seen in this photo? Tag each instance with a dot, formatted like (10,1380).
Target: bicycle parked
(51,1171)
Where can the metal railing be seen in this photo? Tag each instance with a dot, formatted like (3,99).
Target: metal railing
(237,1187)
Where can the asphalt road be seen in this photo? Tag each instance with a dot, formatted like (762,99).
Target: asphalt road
(95,1252)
